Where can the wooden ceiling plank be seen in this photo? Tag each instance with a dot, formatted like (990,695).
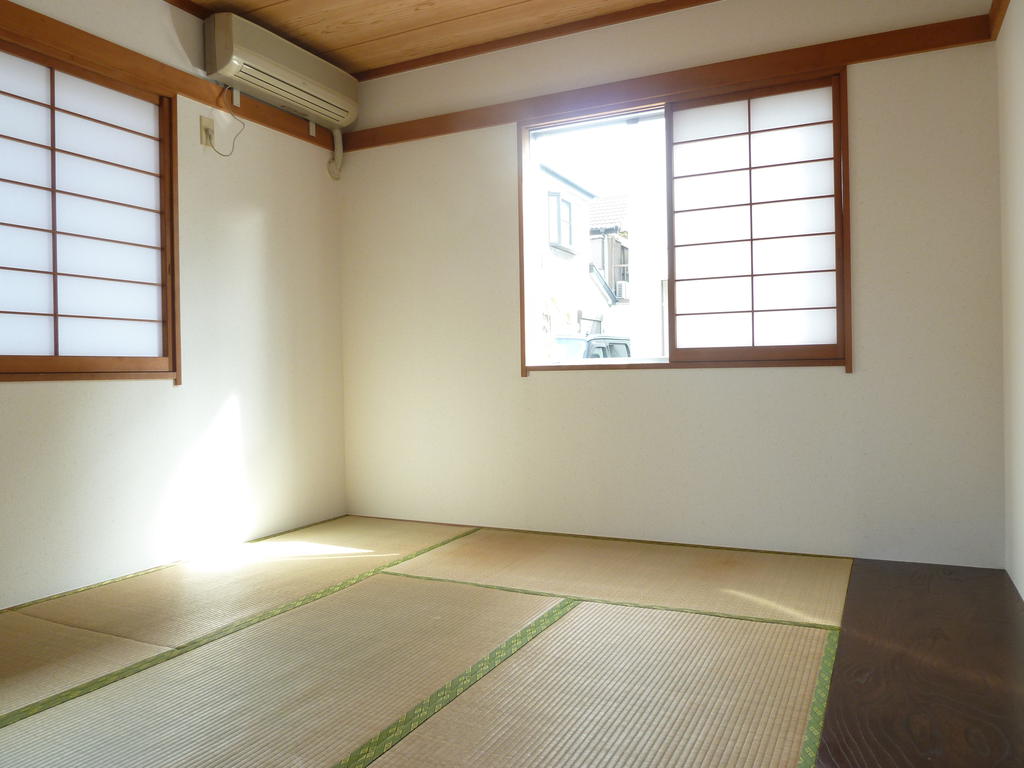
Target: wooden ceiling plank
(331,25)
(241,7)
(529,17)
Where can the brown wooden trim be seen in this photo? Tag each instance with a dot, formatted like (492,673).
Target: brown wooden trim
(844,294)
(169,234)
(97,277)
(115,126)
(67,364)
(69,193)
(190,7)
(752,133)
(79,317)
(721,77)
(105,162)
(38,37)
(997,15)
(521,141)
(94,376)
(751,273)
(617,17)
(53,210)
(750,204)
(761,354)
(672,364)
(756,168)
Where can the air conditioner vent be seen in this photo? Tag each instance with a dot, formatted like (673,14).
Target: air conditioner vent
(268,67)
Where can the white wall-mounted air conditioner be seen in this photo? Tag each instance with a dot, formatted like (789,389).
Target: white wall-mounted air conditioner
(261,64)
(622,290)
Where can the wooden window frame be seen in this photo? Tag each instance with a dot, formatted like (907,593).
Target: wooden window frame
(839,354)
(70,368)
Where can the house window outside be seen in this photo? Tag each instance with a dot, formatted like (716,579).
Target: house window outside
(754,261)
(559,220)
(85,227)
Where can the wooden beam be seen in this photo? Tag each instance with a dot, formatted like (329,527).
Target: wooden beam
(996,15)
(26,32)
(190,7)
(723,76)
(617,17)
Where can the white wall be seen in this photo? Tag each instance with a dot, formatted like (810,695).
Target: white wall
(104,478)
(720,31)
(1011,118)
(153,28)
(901,459)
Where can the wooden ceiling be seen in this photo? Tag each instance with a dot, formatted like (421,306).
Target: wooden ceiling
(371,38)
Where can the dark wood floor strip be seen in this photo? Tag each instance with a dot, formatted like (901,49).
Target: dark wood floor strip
(929,671)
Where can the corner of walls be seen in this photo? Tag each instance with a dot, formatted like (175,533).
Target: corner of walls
(153,28)
(1010,48)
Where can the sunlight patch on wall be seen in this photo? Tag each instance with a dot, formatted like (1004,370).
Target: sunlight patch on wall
(208,503)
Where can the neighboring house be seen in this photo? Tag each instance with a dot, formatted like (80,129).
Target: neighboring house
(609,247)
(580,277)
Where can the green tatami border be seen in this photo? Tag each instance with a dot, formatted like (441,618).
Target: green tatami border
(582,599)
(819,702)
(444,695)
(155,568)
(119,674)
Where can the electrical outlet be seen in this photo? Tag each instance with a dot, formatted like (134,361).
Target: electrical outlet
(206,131)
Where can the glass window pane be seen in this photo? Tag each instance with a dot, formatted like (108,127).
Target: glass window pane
(785,182)
(25,292)
(706,122)
(80,256)
(26,335)
(25,248)
(24,205)
(801,217)
(813,289)
(23,162)
(84,137)
(797,108)
(712,155)
(110,106)
(22,120)
(708,191)
(806,326)
(726,295)
(795,254)
(792,145)
(695,331)
(87,177)
(105,298)
(110,338)
(713,260)
(24,78)
(713,226)
(114,222)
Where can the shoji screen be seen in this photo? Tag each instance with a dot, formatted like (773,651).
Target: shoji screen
(756,225)
(82,264)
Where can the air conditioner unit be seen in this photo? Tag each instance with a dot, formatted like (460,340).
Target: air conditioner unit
(622,290)
(261,64)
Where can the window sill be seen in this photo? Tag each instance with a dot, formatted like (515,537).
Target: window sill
(656,364)
(91,376)
(565,249)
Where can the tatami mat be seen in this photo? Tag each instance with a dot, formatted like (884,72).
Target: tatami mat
(39,658)
(304,688)
(611,685)
(173,605)
(779,587)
